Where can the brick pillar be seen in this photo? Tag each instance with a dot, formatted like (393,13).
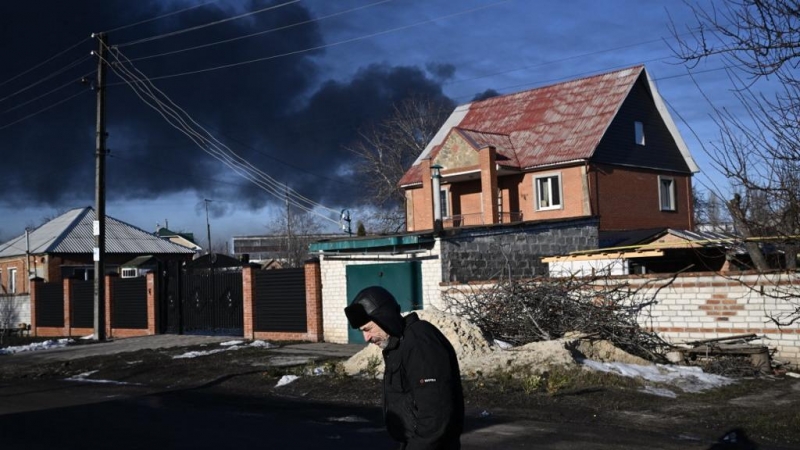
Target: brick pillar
(424,221)
(67,306)
(248,295)
(36,284)
(314,300)
(109,304)
(151,303)
(487,157)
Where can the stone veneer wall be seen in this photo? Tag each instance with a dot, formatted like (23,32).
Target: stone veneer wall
(491,252)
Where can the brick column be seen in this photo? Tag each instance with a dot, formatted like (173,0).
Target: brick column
(67,306)
(35,285)
(424,221)
(248,294)
(151,303)
(109,305)
(487,157)
(314,300)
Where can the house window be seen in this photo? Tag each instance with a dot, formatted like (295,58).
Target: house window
(639,132)
(444,201)
(12,281)
(548,192)
(129,273)
(666,193)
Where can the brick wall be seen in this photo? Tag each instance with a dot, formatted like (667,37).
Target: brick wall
(628,199)
(334,286)
(706,306)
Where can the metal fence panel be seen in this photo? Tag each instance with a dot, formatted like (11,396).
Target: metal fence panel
(129,308)
(50,305)
(82,304)
(279,303)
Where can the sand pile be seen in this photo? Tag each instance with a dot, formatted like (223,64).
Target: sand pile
(466,338)
(477,356)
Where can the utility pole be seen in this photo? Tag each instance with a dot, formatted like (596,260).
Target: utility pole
(288,228)
(208,226)
(99,226)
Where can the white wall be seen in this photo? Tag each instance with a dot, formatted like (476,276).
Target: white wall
(334,286)
(706,306)
(14,309)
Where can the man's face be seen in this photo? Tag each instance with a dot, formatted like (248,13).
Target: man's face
(375,334)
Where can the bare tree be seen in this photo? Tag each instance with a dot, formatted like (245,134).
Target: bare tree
(294,232)
(759,149)
(8,313)
(386,150)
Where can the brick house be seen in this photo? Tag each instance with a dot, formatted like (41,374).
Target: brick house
(62,248)
(520,177)
(604,146)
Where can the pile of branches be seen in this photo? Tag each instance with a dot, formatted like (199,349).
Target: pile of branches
(520,312)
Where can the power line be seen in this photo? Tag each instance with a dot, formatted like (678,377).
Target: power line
(259,33)
(45,61)
(42,80)
(69,83)
(42,110)
(181,120)
(333,44)
(160,17)
(206,25)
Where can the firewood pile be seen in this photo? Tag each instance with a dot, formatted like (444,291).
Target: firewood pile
(733,356)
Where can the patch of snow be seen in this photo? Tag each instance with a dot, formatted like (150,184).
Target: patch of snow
(350,419)
(318,371)
(286,379)
(195,354)
(262,344)
(659,392)
(229,343)
(689,379)
(86,338)
(45,345)
(502,344)
(83,377)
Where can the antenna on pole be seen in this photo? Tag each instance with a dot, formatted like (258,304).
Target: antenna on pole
(344,220)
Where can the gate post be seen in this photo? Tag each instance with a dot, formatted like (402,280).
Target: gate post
(67,307)
(151,303)
(248,294)
(313,300)
(35,286)
(109,305)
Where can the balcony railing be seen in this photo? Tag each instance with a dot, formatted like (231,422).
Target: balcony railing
(462,220)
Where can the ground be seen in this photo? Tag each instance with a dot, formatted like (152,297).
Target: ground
(768,408)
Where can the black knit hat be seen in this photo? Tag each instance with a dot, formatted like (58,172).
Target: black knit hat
(378,305)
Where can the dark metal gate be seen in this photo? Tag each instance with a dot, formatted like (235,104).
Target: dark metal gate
(201,300)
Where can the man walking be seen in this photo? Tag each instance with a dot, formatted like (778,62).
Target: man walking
(423,402)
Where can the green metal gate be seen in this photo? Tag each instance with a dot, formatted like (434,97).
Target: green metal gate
(403,280)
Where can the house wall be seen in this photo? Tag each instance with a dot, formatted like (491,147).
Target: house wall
(466,201)
(618,145)
(334,285)
(573,195)
(491,252)
(707,306)
(21,278)
(628,199)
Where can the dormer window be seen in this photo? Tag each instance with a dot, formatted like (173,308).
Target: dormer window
(638,128)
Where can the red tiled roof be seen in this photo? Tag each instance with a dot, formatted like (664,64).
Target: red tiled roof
(547,125)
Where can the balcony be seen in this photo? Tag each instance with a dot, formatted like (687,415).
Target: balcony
(462,220)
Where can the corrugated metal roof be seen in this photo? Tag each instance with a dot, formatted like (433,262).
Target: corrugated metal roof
(72,232)
(546,125)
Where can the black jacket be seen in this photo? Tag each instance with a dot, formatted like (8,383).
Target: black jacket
(423,399)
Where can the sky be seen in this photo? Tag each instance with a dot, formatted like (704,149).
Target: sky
(285,87)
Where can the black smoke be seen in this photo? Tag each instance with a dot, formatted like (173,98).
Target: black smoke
(285,115)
